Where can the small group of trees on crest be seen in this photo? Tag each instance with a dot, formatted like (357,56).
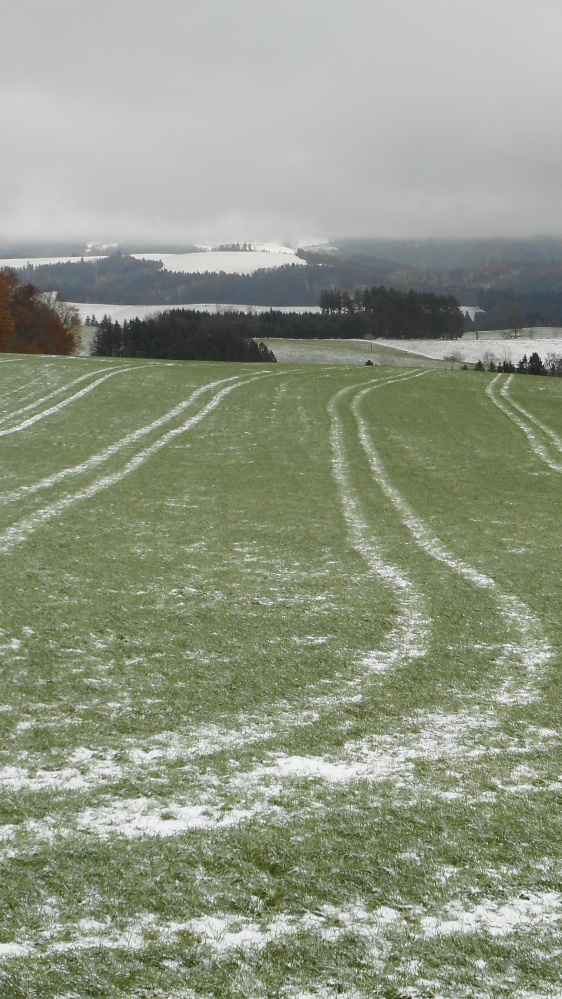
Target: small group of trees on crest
(386,312)
(532,365)
(180,334)
(32,322)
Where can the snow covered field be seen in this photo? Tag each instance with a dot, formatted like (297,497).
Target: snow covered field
(265,255)
(121,313)
(230,261)
(543,340)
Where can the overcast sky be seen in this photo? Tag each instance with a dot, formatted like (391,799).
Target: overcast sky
(216,120)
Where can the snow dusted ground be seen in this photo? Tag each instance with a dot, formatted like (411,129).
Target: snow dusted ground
(229,261)
(121,313)
(472,310)
(265,255)
(355,818)
(543,340)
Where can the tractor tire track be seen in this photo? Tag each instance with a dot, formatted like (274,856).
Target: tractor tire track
(44,413)
(554,437)
(17,394)
(19,532)
(95,460)
(408,639)
(506,405)
(531,650)
(383,757)
(52,394)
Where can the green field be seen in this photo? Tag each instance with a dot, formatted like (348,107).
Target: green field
(344,352)
(280,685)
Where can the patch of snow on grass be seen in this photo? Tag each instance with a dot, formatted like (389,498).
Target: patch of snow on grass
(541,910)
(66,779)
(227,800)
(536,445)
(137,817)
(51,395)
(432,736)
(555,438)
(221,932)
(225,932)
(8,950)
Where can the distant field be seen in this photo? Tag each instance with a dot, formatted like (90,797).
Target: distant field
(281,681)
(489,345)
(230,261)
(123,313)
(343,352)
(294,351)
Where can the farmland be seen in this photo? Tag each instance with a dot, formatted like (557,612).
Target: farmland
(262,255)
(489,345)
(281,681)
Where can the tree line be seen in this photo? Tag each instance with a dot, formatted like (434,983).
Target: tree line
(387,312)
(493,286)
(180,334)
(532,365)
(125,280)
(33,323)
(230,335)
(534,307)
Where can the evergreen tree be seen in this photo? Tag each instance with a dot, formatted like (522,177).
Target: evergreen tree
(535,365)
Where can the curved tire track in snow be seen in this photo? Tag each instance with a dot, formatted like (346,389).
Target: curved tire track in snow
(18,533)
(531,650)
(50,410)
(408,639)
(39,401)
(52,394)
(381,757)
(555,438)
(529,426)
(16,393)
(95,460)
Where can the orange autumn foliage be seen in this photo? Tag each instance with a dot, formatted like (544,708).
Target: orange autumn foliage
(8,286)
(28,323)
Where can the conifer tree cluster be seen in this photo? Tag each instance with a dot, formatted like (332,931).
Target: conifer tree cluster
(181,334)
(532,365)
(386,312)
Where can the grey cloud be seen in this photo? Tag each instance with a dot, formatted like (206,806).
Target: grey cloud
(243,119)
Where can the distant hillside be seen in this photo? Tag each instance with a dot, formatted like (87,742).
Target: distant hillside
(449,254)
(126,280)
(494,283)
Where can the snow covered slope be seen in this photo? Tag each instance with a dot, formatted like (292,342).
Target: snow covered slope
(266,255)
